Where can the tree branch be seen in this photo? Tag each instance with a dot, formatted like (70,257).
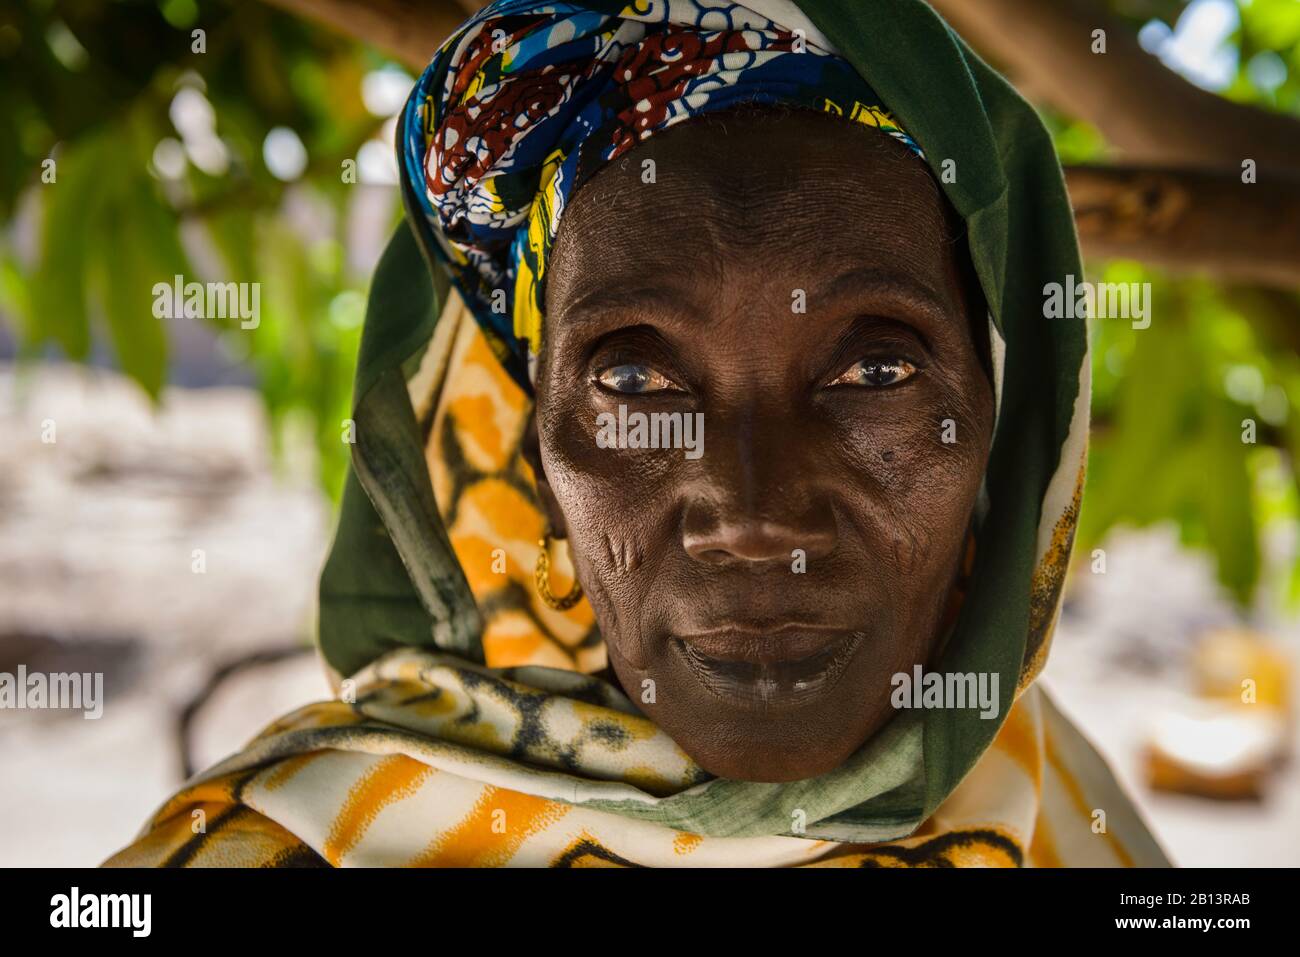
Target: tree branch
(1142,107)
(405,29)
(1190,220)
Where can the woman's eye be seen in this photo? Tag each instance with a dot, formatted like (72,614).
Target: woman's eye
(876,373)
(634,379)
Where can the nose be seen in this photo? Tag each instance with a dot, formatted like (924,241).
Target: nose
(734,539)
(757,503)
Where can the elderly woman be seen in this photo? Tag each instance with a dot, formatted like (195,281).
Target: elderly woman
(716,468)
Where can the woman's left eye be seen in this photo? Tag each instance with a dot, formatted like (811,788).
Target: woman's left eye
(634,379)
(876,373)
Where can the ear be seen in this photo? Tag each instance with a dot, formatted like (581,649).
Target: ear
(532,453)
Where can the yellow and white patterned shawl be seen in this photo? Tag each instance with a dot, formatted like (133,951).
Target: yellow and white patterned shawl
(441,765)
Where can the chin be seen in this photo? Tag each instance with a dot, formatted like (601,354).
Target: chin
(784,721)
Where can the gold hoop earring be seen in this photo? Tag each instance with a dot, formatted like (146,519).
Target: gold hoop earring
(542,577)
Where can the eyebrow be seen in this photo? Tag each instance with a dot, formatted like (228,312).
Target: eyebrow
(621,296)
(899,287)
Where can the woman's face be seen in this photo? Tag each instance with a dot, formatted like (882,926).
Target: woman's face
(793,285)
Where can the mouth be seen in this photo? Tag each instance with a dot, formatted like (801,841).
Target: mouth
(776,669)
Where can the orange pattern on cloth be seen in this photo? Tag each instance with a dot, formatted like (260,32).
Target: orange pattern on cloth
(486,497)
(388,780)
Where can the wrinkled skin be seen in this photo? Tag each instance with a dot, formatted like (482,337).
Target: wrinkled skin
(823,429)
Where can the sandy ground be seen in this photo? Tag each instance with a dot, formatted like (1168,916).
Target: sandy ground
(1120,655)
(97,537)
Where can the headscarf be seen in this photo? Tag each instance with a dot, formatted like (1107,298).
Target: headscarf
(463,705)
(529,99)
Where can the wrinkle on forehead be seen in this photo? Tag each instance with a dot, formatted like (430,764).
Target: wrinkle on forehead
(755,173)
(735,197)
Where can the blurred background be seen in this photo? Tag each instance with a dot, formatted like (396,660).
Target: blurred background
(251,142)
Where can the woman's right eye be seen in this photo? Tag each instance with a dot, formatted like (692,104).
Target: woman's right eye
(634,379)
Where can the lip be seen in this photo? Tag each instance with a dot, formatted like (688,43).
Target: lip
(773,668)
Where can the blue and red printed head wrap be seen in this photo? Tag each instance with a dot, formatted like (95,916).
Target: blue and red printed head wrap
(526,95)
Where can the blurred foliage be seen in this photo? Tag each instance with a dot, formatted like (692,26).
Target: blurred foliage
(93,83)
(1171,402)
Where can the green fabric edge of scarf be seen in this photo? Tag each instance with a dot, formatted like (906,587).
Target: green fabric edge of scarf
(392,577)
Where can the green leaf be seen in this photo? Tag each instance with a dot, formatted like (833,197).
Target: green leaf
(71,205)
(146,251)
(1170,448)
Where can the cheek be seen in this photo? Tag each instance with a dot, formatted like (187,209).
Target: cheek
(614,504)
(918,465)
(603,493)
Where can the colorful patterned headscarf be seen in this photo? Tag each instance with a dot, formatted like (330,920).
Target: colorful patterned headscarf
(530,98)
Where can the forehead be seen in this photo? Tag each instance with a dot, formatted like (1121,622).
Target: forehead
(776,197)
